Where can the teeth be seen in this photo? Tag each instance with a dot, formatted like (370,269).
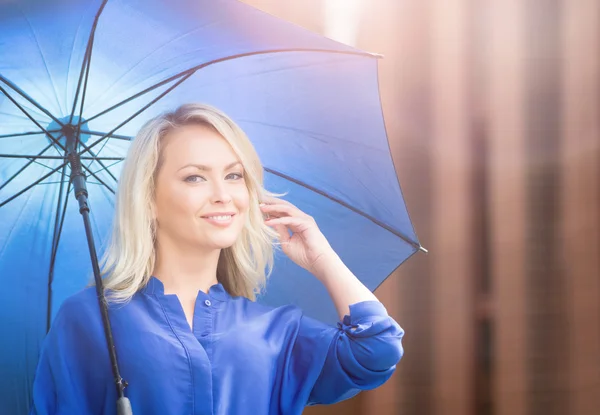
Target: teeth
(223,218)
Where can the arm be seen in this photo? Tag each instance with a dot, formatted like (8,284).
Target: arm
(343,286)
(309,248)
(331,364)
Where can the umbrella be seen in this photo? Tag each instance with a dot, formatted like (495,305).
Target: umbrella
(79,77)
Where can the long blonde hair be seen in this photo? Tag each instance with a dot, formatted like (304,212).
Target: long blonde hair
(129,259)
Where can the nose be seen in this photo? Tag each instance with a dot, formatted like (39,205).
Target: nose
(220,193)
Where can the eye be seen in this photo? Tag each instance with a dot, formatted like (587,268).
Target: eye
(235,176)
(191,179)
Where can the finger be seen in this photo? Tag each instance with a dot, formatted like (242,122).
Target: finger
(274,201)
(270,200)
(284,234)
(267,214)
(281,209)
(295,223)
(285,207)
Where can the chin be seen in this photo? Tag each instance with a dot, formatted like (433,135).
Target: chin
(223,241)
(223,245)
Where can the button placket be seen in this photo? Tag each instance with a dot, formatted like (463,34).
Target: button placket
(208,320)
(205,335)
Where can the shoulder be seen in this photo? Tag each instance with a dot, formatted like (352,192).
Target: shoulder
(79,313)
(85,303)
(82,302)
(76,330)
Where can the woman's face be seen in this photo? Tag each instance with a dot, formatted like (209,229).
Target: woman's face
(201,198)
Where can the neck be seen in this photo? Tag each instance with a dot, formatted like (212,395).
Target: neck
(184,269)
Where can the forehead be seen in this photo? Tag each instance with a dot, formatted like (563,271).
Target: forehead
(196,144)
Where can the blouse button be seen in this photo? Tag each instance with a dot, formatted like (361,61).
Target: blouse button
(207,302)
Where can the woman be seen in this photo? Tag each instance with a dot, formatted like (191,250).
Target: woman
(193,240)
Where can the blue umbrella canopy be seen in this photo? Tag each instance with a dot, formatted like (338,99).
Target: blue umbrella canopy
(310,105)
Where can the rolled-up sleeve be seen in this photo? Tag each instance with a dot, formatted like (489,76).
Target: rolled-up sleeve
(362,352)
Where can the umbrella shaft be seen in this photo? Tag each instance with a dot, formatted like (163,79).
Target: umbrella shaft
(120,383)
(78,179)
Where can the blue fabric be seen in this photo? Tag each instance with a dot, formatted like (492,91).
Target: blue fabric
(310,105)
(241,357)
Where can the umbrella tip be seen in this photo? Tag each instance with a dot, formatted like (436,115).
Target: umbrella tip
(423,249)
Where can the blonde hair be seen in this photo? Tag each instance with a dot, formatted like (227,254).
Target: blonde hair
(129,259)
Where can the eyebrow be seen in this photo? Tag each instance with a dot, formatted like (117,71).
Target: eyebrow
(208,168)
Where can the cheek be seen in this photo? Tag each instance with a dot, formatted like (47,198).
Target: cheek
(177,200)
(242,199)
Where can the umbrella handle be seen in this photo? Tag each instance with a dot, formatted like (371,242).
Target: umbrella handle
(124,406)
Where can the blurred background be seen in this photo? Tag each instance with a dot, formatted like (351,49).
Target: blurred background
(493,113)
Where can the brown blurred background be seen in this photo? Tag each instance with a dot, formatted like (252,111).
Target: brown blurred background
(493,113)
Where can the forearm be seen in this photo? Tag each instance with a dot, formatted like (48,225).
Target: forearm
(343,286)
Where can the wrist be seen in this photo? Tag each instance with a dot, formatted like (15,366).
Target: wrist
(327,265)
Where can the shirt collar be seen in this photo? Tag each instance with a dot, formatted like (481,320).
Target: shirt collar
(155,286)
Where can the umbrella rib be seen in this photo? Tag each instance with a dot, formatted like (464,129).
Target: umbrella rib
(30,156)
(27,133)
(98,178)
(28,98)
(346,205)
(117,136)
(40,184)
(33,119)
(135,115)
(137,95)
(397,267)
(53,259)
(85,83)
(24,111)
(57,220)
(421,248)
(41,164)
(85,65)
(110,165)
(228,58)
(95,158)
(25,166)
(101,148)
(33,184)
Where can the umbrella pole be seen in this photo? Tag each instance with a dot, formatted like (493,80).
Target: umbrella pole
(81,194)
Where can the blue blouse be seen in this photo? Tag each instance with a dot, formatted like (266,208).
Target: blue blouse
(241,356)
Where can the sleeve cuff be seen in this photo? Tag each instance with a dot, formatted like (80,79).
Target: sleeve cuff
(364,310)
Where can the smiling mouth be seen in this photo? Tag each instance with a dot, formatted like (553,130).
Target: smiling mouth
(219,219)
(222,218)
